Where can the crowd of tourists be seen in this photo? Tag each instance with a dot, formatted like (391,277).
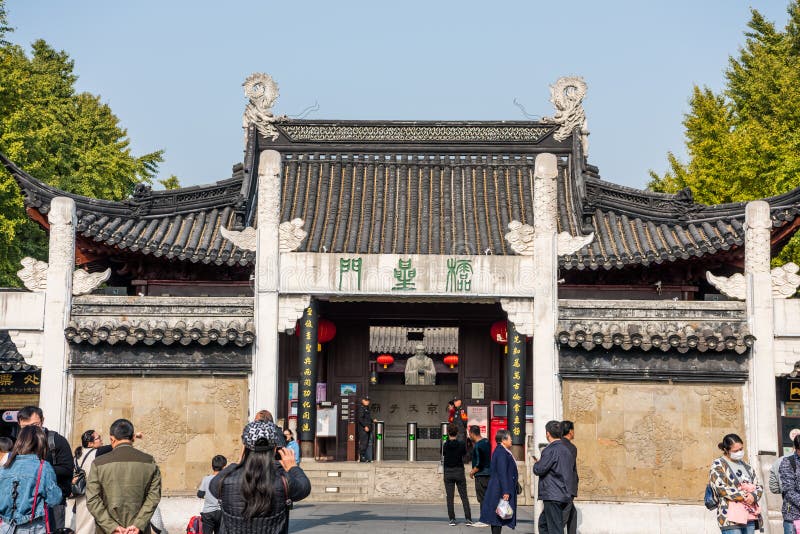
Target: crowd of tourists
(496,477)
(116,489)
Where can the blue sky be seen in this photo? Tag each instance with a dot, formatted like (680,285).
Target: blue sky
(172,69)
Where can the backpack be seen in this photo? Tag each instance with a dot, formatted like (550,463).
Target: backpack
(775,483)
(78,486)
(195,525)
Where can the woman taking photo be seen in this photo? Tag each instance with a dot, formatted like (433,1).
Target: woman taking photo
(503,478)
(27,485)
(256,494)
(737,489)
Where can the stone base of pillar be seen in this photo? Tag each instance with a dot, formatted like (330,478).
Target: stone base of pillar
(518,451)
(307,449)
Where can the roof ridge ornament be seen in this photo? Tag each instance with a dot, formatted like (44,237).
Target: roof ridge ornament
(567,96)
(262,92)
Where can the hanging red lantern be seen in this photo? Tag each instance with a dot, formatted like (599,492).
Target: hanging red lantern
(499,332)
(385,360)
(451,360)
(326,331)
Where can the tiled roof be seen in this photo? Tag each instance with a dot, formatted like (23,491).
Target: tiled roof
(10,359)
(414,188)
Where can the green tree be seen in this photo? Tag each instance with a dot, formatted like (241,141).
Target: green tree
(171,183)
(744,142)
(70,140)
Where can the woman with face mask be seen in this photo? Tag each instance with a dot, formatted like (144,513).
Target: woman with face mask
(737,489)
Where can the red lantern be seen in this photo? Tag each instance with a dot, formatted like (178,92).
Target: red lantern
(325,331)
(385,360)
(499,332)
(451,360)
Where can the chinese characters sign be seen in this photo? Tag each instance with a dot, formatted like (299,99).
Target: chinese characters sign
(307,406)
(20,383)
(407,275)
(515,380)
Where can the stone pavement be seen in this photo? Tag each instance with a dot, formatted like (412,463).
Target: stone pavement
(363,518)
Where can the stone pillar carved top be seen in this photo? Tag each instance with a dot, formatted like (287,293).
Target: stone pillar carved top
(269,187)
(262,92)
(757,224)
(567,96)
(545,196)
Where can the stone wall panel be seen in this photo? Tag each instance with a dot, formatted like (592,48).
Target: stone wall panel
(640,441)
(185,420)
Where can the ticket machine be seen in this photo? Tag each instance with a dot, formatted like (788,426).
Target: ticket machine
(498,419)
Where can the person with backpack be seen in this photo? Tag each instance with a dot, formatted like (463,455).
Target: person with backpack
(28,485)
(91,446)
(59,456)
(790,486)
(736,487)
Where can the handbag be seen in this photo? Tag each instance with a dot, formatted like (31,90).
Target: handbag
(711,497)
(36,496)
(519,488)
(504,510)
(78,486)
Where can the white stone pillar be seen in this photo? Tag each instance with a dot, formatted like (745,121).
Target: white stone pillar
(58,300)
(264,379)
(546,384)
(763,416)
(762,435)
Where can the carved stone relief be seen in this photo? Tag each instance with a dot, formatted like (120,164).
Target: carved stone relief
(84,282)
(245,239)
(520,312)
(169,431)
(269,187)
(520,238)
(641,440)
(291,234)
(90,395)
(33,274)
(569,244)
(785,282)
(405,484)
(758,224)
(290,309)
(261,92)
(567,96)
(34,277)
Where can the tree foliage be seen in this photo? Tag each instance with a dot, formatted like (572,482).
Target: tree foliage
(744,142)
(68,139)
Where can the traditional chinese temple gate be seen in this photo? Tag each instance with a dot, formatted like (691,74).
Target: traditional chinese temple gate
(346,367)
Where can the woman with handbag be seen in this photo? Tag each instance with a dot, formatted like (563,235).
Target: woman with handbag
(27,485)
(737,489)
(256,494)
(499,506)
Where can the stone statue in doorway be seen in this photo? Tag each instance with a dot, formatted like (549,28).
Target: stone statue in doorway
(419,368)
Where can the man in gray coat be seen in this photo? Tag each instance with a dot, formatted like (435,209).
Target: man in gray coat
(555,470)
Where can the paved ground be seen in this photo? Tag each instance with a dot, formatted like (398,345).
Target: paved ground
(362,518)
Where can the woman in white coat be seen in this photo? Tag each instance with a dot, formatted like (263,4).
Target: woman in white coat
(91,446)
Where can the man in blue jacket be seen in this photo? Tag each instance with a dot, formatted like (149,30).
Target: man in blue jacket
(556,473)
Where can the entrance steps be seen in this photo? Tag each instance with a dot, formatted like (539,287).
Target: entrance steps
(386,482)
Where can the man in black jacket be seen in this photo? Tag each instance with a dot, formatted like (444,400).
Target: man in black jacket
(556,478)
(59,455)
(364,422)
(571,514)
